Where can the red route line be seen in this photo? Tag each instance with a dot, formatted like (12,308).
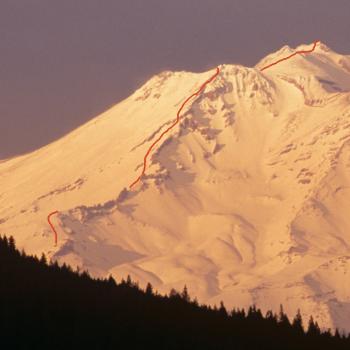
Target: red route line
(178,119)
(175,123)
(153,144)
(52,227)
(290,56)
(196,94)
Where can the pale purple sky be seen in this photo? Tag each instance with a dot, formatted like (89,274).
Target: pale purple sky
(65,61)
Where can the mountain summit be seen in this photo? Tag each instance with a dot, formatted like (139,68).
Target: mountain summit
(245,201)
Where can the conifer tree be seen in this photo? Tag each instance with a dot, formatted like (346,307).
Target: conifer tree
(298,323)
(283,318)
(184,295)
(111,281)
(43,259)
(195,301)
(222,309)
(313,328)
(173,293)
(149,289)
(337,334)
(128,281)
(11,243)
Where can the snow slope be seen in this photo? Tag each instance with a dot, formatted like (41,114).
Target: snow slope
(245,201)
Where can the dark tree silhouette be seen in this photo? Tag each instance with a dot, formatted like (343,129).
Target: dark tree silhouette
(50,306)
(184,295)
(298,323)
(313,328)
(149,289)
(222,309)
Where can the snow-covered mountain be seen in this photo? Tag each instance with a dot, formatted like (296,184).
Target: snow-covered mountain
(247,200)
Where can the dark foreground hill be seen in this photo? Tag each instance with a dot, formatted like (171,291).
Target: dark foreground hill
(46,306)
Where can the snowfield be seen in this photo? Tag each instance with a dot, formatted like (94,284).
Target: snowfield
(247,200)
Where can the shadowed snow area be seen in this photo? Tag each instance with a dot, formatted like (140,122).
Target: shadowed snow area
(245,201)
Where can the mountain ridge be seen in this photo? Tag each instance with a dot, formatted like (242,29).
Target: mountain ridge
(233,203)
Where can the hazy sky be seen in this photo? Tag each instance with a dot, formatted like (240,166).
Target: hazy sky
(65,61)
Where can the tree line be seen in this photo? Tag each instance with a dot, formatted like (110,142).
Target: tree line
(44,305)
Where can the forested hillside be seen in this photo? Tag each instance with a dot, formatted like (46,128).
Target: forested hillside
(47,306)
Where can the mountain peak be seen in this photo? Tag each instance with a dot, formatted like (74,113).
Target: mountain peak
(283,52)
(286,51)
(246,196)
